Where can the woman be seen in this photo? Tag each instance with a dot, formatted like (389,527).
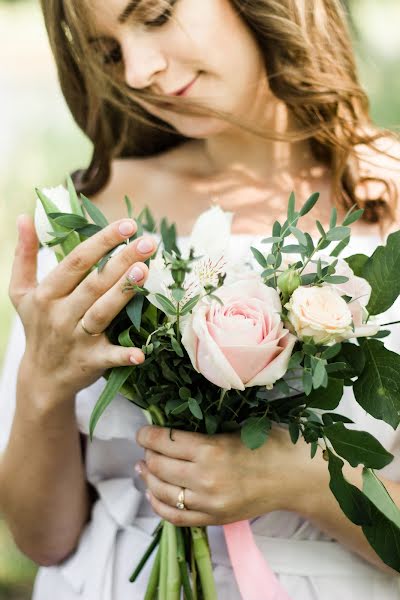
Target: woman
(234,102)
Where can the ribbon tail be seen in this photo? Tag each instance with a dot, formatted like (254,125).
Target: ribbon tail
(255,578)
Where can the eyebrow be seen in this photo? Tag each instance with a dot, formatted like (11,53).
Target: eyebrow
(124,16)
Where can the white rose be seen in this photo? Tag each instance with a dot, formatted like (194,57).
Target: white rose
(60,197)
(320,313)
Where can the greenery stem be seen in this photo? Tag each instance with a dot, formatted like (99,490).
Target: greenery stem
(162,588)
(203,561)
(182,564)
(151,592)
(157,415)
(145,557)
(174,574)
(392,323)
(221,399)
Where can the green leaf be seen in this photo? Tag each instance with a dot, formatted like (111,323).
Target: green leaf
(374,489)
(271,240)
(94,213)
(331,351)
(194,408)
(291,207)
(330,417)
(260,258)
(381,532)
(377,389)
(307,382)
(292,249)
(309,205)
(134,309)
(321,229)
(299,235)
(129,208)
(353,217)
(358,447)
(190,304)
(357,263)
(254,432)
(124,338)
(73,198)
(211,424)
(166,304)
(276,229)
(337,234)
(351,500)
(383,273)
(177,347)
(318,375)
(329,398)
(116,380)
(71,221)
(333,219)
(184,393)
(340,247)
(336,279)
(179,408)
(295,360)
(294,431)
(88,230)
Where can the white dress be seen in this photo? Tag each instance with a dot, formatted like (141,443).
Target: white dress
(309,564)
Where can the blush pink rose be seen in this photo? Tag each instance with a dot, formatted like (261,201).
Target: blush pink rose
(243,342)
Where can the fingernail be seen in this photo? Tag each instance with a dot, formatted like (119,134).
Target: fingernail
(138,469)
(136,274)
(145,245)
(135,360)
(126,228)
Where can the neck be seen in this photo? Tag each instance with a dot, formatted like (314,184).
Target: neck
(235,149)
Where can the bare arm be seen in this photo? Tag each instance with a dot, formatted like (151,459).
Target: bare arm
(44,495)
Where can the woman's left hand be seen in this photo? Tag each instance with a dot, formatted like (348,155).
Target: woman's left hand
(224,481)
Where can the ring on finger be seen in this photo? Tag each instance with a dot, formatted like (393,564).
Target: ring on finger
(86,330)
(181,500)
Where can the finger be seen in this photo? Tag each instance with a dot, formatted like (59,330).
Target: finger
(172,442)
(24,268)
(180,518)
(168,493)
(171,470)
(108,356)
(99,316)
(74,268)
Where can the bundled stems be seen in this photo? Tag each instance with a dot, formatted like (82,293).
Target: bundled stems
(203,561)
(152,587)
(174,575)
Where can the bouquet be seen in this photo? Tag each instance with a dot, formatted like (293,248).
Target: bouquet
(239,347)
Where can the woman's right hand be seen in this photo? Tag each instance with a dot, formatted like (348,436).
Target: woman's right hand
(59,354)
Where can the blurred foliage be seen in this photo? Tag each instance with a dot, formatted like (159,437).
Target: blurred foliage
(40,144)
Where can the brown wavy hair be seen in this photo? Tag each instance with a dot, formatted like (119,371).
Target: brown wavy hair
(310,67)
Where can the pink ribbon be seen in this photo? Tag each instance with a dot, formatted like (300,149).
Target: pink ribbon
(255,579)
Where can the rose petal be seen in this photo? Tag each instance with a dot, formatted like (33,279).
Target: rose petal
(278,367)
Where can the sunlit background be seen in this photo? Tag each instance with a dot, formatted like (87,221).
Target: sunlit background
(40,144)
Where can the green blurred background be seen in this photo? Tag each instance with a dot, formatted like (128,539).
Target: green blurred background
(40,144)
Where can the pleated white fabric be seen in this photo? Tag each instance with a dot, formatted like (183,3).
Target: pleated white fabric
(310,565)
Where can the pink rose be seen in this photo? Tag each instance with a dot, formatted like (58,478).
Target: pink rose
(242,343)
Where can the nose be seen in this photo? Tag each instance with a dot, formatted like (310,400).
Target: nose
(143,61)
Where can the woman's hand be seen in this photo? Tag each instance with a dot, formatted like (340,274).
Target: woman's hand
(59,354)
(224,481)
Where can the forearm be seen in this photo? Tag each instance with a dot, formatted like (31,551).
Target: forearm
(318,504)
(43,493)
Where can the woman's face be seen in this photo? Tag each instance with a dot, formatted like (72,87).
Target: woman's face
(205,42)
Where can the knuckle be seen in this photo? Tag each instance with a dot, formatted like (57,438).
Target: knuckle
(151,461)
(178,520)
(110,236)
(96,316)
(41,297)
(76,262)
(208,483)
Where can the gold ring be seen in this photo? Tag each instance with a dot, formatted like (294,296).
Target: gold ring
(87,331)
(181,500)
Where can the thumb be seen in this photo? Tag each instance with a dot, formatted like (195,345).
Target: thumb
(23,274)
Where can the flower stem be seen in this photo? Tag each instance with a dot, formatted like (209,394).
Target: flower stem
(182,564)
(174,575)
(162,588)
(145,557)
(203,561)
(151,592)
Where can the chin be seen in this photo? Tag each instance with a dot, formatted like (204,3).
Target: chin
(198,127)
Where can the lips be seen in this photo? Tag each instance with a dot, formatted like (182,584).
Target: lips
(185,89)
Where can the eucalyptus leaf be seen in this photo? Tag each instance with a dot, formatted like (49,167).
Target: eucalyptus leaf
(94,213)
(166,304)
(117,378)
(254,432)
(309,205)
(194,408)
(260,258)
(337,234)
(134,310)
